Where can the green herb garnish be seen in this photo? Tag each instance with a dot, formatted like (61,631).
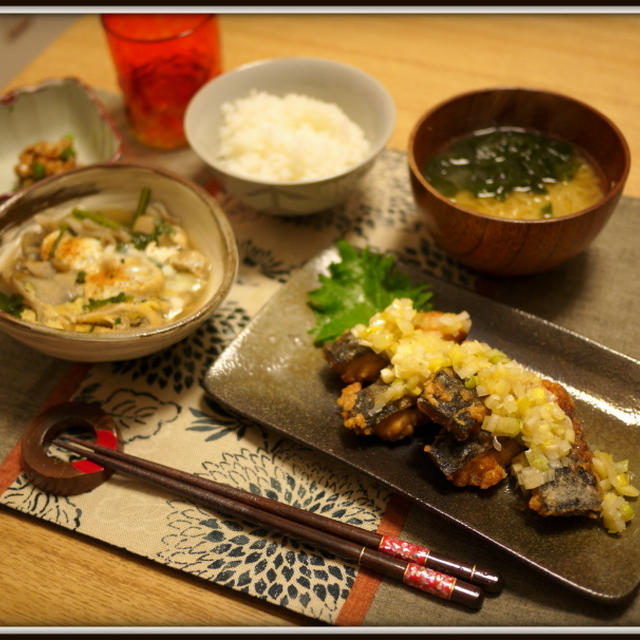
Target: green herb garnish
(12,304)
(162,227)
(360,285)
(67,152)
(94,304)
(38,171)
(546,211)
(54,245)
(81,277)
(141,240)
(143,203)
(97,217)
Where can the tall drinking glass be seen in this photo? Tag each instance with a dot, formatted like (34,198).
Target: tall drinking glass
(161,61)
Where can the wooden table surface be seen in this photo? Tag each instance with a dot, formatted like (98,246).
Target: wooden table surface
(52,577)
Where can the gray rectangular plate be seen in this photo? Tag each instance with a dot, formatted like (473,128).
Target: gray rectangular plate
(273,375)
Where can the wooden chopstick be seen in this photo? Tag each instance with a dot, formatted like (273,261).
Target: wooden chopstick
(392,546)
(326,533)
(488,580)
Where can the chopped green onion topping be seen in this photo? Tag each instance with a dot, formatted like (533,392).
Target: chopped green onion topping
(97,217)
(546,211)
(143,203)
(52,251)
(141,240)
(470,383)
(94,304)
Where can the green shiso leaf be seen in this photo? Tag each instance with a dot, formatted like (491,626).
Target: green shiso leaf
(361,284)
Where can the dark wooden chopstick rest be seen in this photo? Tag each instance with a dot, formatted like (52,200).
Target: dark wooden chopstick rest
(191,487)
(488,580)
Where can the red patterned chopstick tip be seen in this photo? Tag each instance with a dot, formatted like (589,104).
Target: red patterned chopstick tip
(433,582)
(405,550)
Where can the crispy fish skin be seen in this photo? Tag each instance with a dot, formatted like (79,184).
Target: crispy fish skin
(575,489)
(573,492)
(393,421)
(473,462)
(353,361)
(447,402)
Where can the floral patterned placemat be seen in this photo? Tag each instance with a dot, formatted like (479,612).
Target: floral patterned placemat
(163,414)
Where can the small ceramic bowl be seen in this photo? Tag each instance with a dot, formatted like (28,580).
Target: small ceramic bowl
(48,111)
(516,247)
(118,185)
(362,98)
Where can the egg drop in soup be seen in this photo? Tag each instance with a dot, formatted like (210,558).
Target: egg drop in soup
(107,270)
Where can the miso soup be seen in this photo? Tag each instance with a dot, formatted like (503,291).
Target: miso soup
(515,173)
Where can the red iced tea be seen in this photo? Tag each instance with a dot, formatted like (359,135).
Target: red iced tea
(161,61)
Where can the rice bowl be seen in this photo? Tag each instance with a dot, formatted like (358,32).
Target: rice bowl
(361,98)
(289,138)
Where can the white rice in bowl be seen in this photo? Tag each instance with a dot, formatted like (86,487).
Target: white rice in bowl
(288,138)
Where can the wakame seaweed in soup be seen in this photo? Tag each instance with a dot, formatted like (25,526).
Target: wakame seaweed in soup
(494,162)
(514,173)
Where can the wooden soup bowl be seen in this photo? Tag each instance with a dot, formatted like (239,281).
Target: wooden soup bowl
(516,247)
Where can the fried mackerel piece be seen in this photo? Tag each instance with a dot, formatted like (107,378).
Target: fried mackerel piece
(391,421)
(574,490)
(475,461)
(447,402)
(353,361)
(433,321)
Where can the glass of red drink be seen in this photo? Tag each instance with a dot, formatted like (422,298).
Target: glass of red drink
(161,61)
